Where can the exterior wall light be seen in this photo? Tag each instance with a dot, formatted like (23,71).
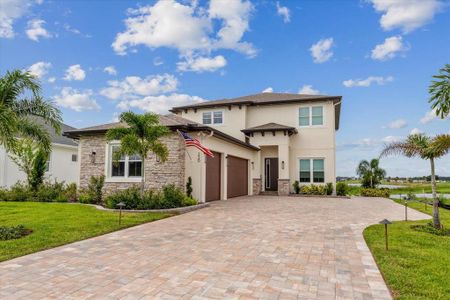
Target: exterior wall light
(92,156)
(282,165)
(253,165)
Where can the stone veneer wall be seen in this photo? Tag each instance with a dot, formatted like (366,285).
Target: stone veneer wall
(283,187)
(157,174)
(256,186)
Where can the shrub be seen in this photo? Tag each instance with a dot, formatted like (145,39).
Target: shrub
(36,177)
(19,192)
(15,232)
(173,196)
(189,187)
(375,193)
(95,188)
(130,197)
(189,201)
(341,189)
(71,192)
(329,188)
(85,198)
(49,192)
(296,186)
(313,189)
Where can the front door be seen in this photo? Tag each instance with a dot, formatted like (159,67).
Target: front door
(271,174)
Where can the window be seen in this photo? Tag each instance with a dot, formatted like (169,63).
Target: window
(312,168)
(310,116)
(125,166)
(318,170)
(215,117)
(317,115)
(305,170)
(74,157)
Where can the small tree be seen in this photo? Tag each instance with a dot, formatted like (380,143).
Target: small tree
(420,145)
(32,160)
(189,187)
(370,173)
(440,92)
(141,135)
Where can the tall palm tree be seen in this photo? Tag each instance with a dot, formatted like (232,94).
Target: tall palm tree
(440,92)
(370,172)
(420,145)
(141,135)
(20,99)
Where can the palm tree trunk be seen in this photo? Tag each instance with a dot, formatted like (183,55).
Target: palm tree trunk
(143,176)
(436,218)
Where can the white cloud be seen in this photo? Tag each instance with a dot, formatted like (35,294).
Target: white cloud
(391,47)
(268,90)
(202,64)
(430,116)
(321,51)
(76,100)
(52,79)
(40,69)
(284,12)
(76,31)
(407,15)
(157,61)
(133,87)
(307,89)
(159,104)
(416,131)
(10,10)
(397,124)
(391,139)
(75,72)
(35,30)
(367,82)
(187,28)
(111,70)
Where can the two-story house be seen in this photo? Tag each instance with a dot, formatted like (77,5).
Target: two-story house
(261,142)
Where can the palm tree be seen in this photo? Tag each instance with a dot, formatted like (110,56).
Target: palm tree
(420,145)
(370,172)
(20,99)
(440,92)
(141,135)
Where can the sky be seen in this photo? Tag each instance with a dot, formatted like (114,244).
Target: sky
(96,59)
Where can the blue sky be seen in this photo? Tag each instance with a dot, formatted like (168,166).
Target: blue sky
(98,58)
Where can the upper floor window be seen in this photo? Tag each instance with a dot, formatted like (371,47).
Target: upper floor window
(310,116)
(210,117)
(125,166)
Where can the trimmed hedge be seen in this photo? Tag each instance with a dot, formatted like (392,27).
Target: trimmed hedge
(342,189)
(384,193)
(313,189)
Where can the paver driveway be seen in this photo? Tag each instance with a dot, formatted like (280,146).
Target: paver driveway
(249,247)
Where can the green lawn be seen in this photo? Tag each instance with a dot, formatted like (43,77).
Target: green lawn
(416,188)
(417,265)
(56,224)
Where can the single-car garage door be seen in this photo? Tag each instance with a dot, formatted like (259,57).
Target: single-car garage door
(213,177)
(237,179)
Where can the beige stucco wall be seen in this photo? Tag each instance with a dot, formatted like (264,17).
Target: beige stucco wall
(309,142)
(196,166)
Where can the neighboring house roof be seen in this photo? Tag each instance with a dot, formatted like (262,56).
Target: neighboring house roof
(172,121)
(57,138)
(266,99)
(270,127)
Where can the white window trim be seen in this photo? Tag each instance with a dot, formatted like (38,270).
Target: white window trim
(311,170)
(108,169)
(310,116)
(211,112)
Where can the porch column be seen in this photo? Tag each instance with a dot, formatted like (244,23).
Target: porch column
(283,170)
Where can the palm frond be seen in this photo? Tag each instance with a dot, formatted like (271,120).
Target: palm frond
(29,129)
(39,108)
(440,92)
(117,133)
(401,148)
(441,145)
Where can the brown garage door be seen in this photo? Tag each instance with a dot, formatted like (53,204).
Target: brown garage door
(237,179)
(213,177)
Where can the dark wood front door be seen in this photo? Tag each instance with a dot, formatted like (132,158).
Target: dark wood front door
(237,177)
(213,177)
(271,174)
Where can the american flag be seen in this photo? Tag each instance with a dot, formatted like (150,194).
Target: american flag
(191,142)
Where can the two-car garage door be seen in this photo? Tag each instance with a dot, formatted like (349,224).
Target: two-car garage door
(237,177)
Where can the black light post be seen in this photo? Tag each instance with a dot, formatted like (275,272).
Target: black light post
(120,205)
(406,209)
(386,223)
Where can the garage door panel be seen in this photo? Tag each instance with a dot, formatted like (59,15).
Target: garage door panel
(213,177)
(237,176)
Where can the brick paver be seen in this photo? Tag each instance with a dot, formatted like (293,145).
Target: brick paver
(246,248)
